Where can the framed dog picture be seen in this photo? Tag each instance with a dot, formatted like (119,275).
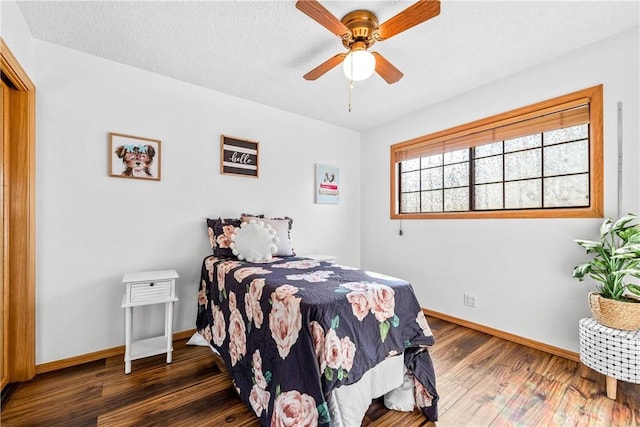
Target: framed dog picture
(134,157)
(238,157)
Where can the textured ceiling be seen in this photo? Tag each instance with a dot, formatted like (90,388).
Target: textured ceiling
(259,50)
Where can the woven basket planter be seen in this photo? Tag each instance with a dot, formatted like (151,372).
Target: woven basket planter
(615,314)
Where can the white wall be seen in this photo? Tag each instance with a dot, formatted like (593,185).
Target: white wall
(92,228)
(15,33)
(519,269)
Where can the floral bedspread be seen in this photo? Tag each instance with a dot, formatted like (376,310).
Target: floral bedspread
(293,329)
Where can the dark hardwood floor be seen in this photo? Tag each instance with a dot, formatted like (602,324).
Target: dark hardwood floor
(482,381)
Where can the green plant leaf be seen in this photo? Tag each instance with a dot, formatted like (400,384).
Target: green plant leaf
(629,248)
(605,227)
(635,236)
(340,374)
(602,266)
(621,224)
(589,244)
(580,271)
(624,255)
(634,288)
(631,271)
(627,234)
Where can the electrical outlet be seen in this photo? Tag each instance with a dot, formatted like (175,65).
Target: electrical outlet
(470,300)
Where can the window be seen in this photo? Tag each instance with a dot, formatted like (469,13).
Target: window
(544,160)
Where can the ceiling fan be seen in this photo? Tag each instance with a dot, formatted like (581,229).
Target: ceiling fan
(359,30)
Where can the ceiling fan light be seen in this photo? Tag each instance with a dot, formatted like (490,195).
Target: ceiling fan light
(359,65)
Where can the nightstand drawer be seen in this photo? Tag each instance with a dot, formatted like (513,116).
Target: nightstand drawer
(141,292)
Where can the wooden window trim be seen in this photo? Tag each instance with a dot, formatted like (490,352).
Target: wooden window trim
(593,96)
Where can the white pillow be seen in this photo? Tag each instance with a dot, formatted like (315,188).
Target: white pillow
(254,241)
(402,398)
(281,227)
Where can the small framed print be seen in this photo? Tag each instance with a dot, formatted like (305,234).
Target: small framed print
(327,184)
(134,157)
(238,157)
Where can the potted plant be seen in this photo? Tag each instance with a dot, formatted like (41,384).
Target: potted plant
(615,256)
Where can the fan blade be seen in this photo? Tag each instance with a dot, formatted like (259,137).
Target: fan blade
(386,70)
(322,16)
(410,17)
(325,66)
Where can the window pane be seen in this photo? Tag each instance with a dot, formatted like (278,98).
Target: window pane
(432,201)
(410,165)
(410,181)
(432,178)
(522,165)
(522,143)
(528,162)
(564,191)
(566,134)
(523,194)
(456,156)
(410,202)
(488,170)
(488,196)
(456,175)
(561,159)
(487,149)
(456,199)
(435,160)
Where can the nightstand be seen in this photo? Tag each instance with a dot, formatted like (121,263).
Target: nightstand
(320,257)
(146,288)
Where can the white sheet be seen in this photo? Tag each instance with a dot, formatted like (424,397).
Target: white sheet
(348,404)
(198,339)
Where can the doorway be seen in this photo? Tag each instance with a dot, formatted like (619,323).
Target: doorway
(17,278)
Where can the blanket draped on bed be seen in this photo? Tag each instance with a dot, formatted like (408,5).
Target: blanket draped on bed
(293,329)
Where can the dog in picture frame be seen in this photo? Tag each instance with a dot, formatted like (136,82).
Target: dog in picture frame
(136,159)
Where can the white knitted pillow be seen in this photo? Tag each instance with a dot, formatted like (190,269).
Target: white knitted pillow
(254,241)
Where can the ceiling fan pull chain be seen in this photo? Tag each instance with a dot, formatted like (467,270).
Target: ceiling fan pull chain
(350,81)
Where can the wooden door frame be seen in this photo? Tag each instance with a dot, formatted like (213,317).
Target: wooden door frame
(21,350)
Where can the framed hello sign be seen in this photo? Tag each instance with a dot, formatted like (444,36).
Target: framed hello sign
(238,156)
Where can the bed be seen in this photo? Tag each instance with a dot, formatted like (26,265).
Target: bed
(310,342)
